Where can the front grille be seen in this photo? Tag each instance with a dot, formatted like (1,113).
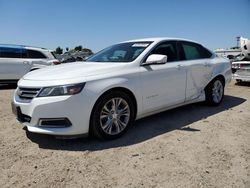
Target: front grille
(27,93)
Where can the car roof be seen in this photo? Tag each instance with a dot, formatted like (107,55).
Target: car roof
(158,39)
(23,47)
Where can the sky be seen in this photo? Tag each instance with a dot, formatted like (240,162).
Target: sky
(96,24)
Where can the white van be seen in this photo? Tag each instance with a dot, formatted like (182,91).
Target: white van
(17,60)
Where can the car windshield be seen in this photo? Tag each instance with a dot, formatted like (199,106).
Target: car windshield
(124,52)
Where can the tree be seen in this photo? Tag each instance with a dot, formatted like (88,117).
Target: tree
(59,50)
(87,51)
(67,49)
(78,48)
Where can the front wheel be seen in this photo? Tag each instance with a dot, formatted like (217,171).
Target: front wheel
(214,92)
(112,115)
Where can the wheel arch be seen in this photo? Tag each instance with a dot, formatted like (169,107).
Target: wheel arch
(219,76)
(122,89)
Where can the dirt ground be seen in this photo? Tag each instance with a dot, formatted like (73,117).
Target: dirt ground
(192,146)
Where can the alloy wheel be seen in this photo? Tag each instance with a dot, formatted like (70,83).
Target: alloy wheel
(114,116)
(217,91)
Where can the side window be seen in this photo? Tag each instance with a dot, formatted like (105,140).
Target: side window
(205,53)
(168,49)
(194,51)
(191,51)
(33,54)
(24,53)
(6,52)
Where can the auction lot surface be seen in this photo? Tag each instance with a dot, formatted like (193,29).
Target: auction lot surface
(192,146)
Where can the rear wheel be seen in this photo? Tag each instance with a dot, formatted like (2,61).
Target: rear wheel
(112,115)
(215,92)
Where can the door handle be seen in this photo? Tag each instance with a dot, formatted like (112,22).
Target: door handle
(207,64)
(26,62)
(179,66)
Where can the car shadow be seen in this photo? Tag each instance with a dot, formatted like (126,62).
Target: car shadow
(144,129)
(8,86)
(243,84)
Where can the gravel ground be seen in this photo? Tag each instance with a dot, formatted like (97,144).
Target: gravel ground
(191,146)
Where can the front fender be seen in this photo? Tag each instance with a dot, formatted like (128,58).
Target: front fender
(99,87)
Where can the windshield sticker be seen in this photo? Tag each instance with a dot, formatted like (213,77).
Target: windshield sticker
(144,45)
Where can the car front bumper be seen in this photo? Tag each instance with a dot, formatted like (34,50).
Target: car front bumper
(76,109)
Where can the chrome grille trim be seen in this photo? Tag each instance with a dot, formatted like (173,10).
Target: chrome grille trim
(27,93)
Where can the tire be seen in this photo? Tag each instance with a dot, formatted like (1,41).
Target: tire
(112,115)
(214,92)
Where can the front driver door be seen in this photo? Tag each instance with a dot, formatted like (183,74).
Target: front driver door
(163,84)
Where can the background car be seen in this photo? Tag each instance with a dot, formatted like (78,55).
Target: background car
(241,71)
(17,60)
(118,85)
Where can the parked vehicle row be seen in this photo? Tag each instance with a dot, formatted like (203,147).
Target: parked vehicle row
(17,60)
(241,71)
(118,85)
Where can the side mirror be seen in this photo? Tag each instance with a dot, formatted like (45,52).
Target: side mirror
(156,59)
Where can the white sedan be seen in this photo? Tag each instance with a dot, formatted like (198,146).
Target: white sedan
(118,85)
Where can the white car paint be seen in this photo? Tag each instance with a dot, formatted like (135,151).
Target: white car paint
(242,70)
(156,87)
(13,68)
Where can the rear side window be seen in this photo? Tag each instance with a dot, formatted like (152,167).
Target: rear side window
(168,49)
(204,52)
(194,51)
(6,52)
(33,54)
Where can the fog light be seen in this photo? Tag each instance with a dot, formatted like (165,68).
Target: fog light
(55,122)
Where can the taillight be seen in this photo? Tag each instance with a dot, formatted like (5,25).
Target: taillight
(56,62)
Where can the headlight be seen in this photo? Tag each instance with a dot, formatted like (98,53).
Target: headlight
(61,90)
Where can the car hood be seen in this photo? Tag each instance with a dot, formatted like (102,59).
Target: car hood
(73,70)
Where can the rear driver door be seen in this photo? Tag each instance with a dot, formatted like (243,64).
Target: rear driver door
(198,63)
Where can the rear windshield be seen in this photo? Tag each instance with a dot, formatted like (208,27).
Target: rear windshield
(124,52)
